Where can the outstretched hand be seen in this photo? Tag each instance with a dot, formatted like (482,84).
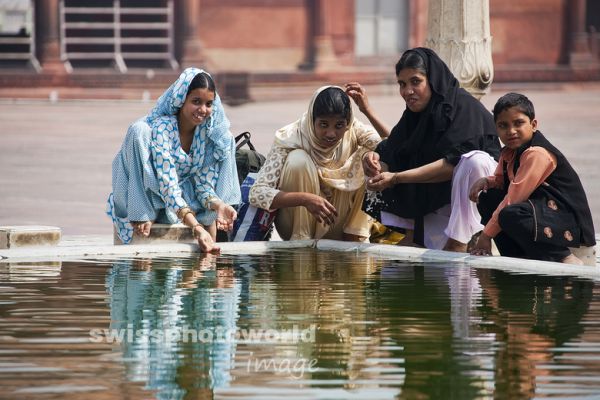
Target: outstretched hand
(381,181)
(226,215)
(323,211)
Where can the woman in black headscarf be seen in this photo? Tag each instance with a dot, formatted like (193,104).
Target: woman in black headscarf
(444,141)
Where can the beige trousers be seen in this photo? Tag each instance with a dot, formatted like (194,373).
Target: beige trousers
(299,174)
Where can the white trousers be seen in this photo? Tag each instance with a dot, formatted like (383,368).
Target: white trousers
(460,219)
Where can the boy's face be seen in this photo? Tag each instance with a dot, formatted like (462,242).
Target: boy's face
(514,127)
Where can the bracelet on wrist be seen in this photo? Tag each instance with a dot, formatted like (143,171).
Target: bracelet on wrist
(183,211)
(210,202)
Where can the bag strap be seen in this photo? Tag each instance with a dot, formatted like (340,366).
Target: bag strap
(244,138)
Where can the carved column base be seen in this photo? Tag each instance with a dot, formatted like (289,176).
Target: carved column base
(194,55)
(582,56)
(325,58)
(51,62)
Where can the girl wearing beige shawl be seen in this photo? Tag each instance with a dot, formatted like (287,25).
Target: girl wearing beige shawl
(313,174)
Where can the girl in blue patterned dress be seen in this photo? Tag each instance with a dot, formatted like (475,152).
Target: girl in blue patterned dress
(178,164)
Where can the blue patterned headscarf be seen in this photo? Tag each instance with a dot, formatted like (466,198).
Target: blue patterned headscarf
(164,114)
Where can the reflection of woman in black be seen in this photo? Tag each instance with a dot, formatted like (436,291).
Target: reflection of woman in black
(413,305)
(532,314)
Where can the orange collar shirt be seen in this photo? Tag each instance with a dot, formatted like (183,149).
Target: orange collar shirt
(536,165)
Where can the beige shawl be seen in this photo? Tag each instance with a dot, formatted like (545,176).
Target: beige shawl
(339,166)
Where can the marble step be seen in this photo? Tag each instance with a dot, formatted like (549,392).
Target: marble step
(28,236)
(161,233)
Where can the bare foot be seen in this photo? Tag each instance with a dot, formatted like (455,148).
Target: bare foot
(572,259)
(455,245)
(142,227)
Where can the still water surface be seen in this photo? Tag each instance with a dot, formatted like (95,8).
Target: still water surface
(299,324)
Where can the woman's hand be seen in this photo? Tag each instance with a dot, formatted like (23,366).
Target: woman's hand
(371,164)
(323,211)
(205,240)
(483,247)
(357,93)
(480,185)
(381,181)
(226,215)
(142,228)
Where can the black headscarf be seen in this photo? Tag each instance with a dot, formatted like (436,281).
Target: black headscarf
(453,123)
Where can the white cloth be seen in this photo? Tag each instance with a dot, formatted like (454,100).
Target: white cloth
(465,220)
(460,219)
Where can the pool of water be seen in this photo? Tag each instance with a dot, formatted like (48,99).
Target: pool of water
(301,324)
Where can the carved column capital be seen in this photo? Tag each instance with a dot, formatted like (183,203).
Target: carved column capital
(459,31)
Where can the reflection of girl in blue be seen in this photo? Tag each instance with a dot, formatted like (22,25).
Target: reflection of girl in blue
(161,307)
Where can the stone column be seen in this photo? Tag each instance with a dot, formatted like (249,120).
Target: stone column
(580,54)
(47,22)
(459,31)
(193,49)
(418,14)
(320,53)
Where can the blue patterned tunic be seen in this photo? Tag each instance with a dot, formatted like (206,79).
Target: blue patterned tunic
(153,176)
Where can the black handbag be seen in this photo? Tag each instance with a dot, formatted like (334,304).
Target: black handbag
(247,160)
(555,223)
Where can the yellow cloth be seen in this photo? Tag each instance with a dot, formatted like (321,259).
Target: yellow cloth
(296,223)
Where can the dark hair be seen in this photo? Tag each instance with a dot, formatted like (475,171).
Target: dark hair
(411,59)
(518,100)
(332,101)
(202,81)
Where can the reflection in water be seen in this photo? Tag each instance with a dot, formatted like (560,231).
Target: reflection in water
(533,317)
(163,306)
(431,312)
(302,324)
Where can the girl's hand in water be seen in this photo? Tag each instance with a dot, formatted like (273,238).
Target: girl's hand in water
(205,240)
